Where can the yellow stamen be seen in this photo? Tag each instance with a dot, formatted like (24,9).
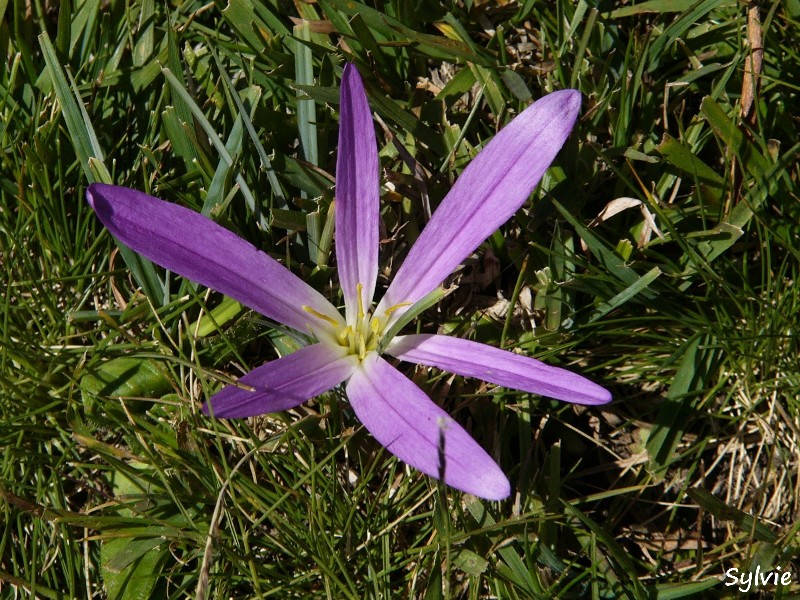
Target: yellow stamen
(359,290)
(319,315)
(362,347)
(344,334)
(391,309)
(375,326)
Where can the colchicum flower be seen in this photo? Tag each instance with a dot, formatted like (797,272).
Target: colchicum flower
(345,349)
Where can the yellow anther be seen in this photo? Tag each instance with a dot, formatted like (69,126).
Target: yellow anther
(375,326)
(362,347)
(391,309)
(359,290)
(319,315)
(344,334)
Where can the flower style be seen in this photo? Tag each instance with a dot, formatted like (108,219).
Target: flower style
(345,350)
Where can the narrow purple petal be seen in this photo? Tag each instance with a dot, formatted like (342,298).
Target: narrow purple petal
(285,383)
(413,428)
(357,196)
(473,359)
(194,246)
(489,191)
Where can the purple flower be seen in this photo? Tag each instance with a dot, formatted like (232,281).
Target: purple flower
(345,350)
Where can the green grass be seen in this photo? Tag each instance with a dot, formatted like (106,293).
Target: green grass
(113,484)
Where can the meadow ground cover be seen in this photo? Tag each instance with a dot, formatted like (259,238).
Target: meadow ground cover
(658,256)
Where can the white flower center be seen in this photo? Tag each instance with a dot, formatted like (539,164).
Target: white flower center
(363,336)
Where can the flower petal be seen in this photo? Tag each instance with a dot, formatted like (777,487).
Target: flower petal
(473,359)
(284,383)
(413,428)
(489,191)
(196,247)
(357,207)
